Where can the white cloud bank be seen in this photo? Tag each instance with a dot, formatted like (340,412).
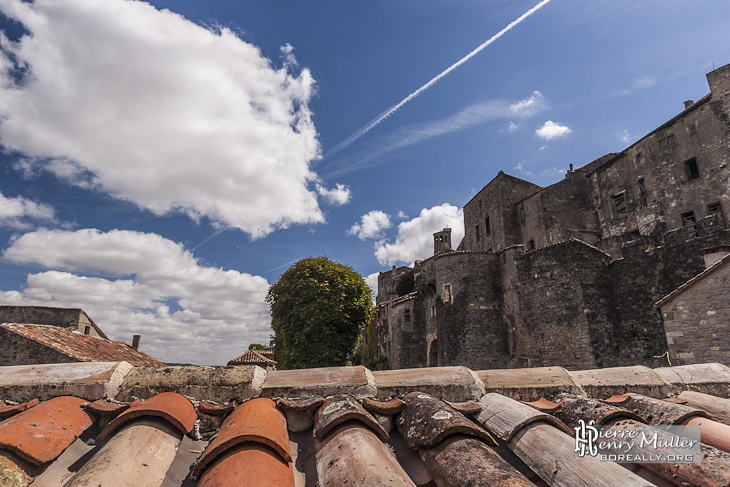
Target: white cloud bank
(15,212)
(415,237)
(552,130)
(154,109)
(152,286)
(371,225)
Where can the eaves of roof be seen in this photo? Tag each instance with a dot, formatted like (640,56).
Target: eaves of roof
(341,425)
(699,277)
(84,348)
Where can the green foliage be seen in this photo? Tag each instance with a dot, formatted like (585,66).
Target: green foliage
(317,309)
(257,346)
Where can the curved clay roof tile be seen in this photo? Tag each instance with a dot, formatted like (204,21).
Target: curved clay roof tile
(43,432)
(255,421)
(340,408)
(426,421)
(167,405)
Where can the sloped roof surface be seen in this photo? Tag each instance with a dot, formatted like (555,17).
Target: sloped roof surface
(259,451)
(254,357)
(84,348)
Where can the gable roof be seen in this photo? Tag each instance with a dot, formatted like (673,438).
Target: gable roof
(699,277)
(254,357)
(85,348)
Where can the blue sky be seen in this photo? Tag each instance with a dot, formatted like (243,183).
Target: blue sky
(161,168)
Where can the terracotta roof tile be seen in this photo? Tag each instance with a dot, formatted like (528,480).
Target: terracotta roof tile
(340,408)
(254,357)
(353,455)
(426,421)
(460,461)
(84,348)
(248,465)
(256,421)
(41,433)
(7,410)
(171,406)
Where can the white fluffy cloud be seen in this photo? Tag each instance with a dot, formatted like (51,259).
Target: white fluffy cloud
(415,237)
(371,225)
(15,212)
(551,130)
(156,110)
(339,195)
(185,311)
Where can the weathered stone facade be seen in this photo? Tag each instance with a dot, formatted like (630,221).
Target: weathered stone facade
(568,274)
(70,318)
(697,315)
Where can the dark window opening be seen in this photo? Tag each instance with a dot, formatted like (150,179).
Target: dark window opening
(666,140)
(691,168)
(716,209)
(531,244)
(639,158)
(489,227)
(407,316)
(692,129)
(619,204)
(87,329)
(447,293)
(480,204)
(521,213)
(689,223)
(476,229)
(641,189)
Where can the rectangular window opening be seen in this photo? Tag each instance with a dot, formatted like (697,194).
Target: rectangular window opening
(476,234)
(489,226)
(531,244)
(619,204)
(521,212)
(691,168)
(407,316)
(603,175)
(666,140)
(447,293)
(689,223)
(716,209)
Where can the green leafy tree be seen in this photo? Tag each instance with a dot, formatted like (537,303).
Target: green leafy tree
(257,346)
(317,309)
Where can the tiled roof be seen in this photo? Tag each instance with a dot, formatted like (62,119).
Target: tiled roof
(714,267)
(254,357)
(348,426)
(84,348)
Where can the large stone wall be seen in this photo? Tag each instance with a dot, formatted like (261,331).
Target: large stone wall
(696,320)
(74,318)
(567,275)
(17,350)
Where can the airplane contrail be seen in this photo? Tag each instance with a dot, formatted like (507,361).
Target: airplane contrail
(390,111)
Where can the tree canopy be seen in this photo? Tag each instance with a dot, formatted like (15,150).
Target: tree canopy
(317,309)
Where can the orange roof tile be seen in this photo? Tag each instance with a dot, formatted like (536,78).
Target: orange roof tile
(253,357)
(255,421)
(84,348)
(168,405)
(41,433)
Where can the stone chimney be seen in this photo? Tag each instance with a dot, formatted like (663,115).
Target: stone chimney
(135,341)
(688,104)
(719,81)
(442,241)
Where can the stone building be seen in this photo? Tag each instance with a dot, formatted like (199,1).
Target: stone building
(46,335)
(697,314)
(568,274)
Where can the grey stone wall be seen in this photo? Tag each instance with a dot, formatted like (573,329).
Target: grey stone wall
(696,321)
(17,350)
(74,318)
